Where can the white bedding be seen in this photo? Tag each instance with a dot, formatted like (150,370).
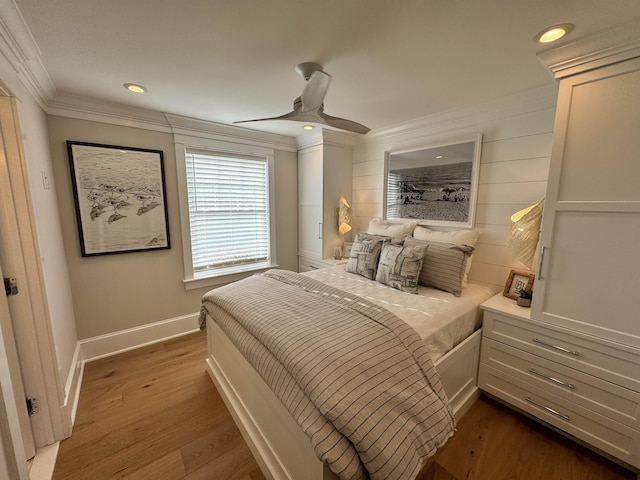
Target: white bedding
(441,319)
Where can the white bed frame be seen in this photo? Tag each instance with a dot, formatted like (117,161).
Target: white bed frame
(280,447)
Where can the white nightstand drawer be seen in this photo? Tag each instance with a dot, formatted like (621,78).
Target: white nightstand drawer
(581,352)
(607,399)
(617,439)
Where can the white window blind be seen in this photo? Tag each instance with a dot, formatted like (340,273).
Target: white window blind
(228,213)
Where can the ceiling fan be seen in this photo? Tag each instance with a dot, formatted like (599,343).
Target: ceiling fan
(309,107)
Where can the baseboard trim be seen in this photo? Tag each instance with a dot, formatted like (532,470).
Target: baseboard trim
(72,391)
(109,344)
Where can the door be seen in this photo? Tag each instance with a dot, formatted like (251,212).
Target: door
(20,257)
(17,442)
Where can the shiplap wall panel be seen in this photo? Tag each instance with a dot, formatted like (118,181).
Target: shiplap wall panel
(501,193)
(515,171)
(506,150)
(514,167)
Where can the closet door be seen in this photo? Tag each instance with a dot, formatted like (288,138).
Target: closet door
(310,182)
(589,263)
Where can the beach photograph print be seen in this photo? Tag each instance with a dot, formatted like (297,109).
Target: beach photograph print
(434,185)
(120,200)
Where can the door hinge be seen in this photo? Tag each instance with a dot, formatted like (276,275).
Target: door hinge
(33,406)
(10,286)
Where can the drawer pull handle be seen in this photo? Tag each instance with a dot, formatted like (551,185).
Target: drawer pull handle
(556,347)
(548,409)
(541,262)
(551,379)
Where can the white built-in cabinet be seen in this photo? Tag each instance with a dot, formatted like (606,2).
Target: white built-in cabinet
(573,359)
(324,174)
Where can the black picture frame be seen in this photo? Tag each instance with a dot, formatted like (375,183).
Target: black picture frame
(120,199)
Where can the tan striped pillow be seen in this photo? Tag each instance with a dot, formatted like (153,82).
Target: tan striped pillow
(444,265)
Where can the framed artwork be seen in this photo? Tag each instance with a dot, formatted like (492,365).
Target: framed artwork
(436,184)
(518,280)
(120,199)
(346,253)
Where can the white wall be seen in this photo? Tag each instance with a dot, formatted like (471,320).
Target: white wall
(516,149)
(114,293)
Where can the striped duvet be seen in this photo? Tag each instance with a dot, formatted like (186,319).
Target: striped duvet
(357,379)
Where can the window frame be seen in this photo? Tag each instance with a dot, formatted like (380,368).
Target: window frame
(216,147)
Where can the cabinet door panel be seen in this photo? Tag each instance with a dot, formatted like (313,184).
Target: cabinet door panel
(310,177)
(590,286)
(309,234)
(600,160)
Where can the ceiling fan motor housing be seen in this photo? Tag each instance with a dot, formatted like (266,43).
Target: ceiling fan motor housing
(306,69)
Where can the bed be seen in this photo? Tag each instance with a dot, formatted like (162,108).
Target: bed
(446,327)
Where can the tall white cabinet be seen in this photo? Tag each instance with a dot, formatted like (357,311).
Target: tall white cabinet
(573,360)
(324,174)
(587,278)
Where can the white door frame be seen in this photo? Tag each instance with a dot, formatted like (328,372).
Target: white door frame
(29,309)
(16,440)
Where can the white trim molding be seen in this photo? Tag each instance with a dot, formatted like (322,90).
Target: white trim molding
(20,49)
(72,390)
(121,341)
(611,45)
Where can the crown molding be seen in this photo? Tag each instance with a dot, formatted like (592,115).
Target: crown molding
(85,108)
(607,46)
(193,127)
(541,98)
(91,109)
(18,46)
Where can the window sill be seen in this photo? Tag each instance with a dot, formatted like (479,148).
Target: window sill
(195,283)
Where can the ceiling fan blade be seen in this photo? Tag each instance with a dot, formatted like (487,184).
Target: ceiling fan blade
(309,107)
(286,116)
(315,90)
(342,123)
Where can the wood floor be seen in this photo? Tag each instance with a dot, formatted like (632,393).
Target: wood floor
(154,413)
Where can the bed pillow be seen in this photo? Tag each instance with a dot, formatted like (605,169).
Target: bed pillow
(444,265)
(365,253)
(459,237)
(397,231)
(400,265)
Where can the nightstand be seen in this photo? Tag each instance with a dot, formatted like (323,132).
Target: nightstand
(306,264)
(577,383)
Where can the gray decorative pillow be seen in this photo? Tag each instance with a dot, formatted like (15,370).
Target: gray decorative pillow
(444,265)
(365,253)
(400,266)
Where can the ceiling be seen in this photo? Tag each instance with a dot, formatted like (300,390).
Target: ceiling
(229,60)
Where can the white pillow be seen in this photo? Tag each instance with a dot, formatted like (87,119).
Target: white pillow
(397,231)
(458,237)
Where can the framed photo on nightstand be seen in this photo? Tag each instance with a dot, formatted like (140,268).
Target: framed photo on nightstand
(518,280)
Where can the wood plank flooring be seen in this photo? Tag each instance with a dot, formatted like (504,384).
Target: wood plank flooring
(154,413)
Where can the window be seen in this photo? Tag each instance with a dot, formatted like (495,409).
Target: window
(229,214)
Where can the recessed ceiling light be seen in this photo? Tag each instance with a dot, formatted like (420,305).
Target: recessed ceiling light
(551,34)
(134,87)
(308,127)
